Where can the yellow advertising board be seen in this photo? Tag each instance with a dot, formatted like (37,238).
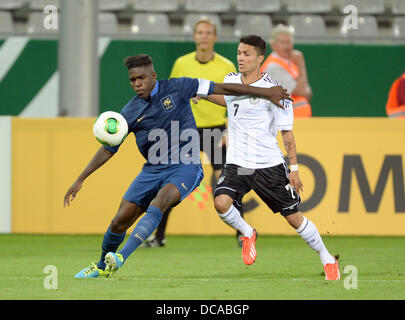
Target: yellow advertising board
(352,170)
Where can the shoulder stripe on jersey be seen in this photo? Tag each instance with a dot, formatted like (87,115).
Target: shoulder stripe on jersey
(268,79)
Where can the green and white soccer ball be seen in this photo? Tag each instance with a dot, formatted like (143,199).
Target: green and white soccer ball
(110,128)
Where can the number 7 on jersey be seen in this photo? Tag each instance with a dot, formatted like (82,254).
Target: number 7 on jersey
(236,106)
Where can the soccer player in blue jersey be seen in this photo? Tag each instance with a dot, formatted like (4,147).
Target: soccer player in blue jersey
(161,119)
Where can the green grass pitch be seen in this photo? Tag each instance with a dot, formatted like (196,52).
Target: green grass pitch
(204,268)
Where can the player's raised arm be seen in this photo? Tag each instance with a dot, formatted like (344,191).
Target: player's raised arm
(274,94)
(102,156)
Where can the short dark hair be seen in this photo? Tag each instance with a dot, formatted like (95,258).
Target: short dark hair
(255,41)
(139,60)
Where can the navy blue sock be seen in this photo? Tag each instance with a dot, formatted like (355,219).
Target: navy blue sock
(142,230)
(111,242)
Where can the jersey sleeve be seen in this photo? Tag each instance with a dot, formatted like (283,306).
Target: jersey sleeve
(112,149)
(284,118)
(190,87)
(229,78)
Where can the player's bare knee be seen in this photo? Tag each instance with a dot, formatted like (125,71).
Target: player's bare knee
(222,203)
(295,219)
(163,203)
(127,214)
(117,226)
(166,197)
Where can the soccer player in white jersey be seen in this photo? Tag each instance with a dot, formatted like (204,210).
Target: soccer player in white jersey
(255,162)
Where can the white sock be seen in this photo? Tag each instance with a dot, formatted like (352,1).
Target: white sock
(233,219)
(311,236)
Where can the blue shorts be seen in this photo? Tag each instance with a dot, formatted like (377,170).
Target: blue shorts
(148,183)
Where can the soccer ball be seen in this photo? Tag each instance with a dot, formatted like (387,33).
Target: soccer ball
(110,128)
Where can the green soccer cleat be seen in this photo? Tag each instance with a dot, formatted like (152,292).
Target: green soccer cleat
(113,262)
(92,272)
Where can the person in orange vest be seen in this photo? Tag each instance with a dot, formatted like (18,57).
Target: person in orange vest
(396,99)
(287,66)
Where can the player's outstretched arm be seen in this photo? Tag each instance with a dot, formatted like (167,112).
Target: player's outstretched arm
(214,98)
(102,156)
(274,94)
(290,148)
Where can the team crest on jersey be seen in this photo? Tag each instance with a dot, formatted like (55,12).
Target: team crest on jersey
(254,100)
(168,103)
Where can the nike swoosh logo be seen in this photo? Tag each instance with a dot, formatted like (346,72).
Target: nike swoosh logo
(137,236)
(140,119)
(184,186)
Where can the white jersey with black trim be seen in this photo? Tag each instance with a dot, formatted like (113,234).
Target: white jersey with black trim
(253,124)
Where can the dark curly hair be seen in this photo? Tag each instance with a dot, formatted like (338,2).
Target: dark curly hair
(139,60)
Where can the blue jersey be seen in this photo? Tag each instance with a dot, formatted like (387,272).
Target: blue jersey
(164,125)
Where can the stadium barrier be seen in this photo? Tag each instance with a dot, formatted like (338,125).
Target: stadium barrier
(352,170)
(343,77)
